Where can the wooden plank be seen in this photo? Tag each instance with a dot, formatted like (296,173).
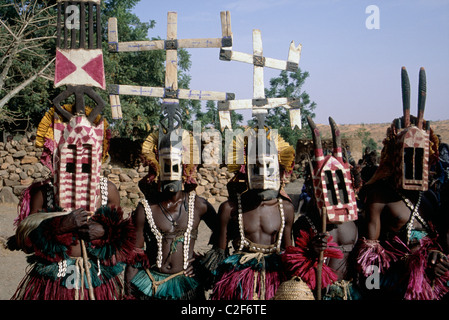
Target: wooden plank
(275,64)
(258,85)
(277,102)
(82,25)
(98,23)
(248,104)
(201,95)
(242,57)
(140,91)
(257,43)
(112,30)
(226,32)
(224,23)
(295,118)
(130,46)
(172,28)
(171,70)
(171,62)
(116,108)
(225,120)
(91,26)
(133,46)
(236,105)
(199,43)
(294,52)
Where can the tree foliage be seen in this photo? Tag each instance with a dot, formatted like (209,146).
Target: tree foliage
(144,68)
(27,38)
(27,46)
(210,118)
(289,85)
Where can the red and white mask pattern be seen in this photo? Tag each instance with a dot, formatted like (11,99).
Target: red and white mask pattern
(332,181)
(77,160)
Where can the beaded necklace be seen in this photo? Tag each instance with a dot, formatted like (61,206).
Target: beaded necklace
(158,234)
(244,242)
(415,215)
(104,191)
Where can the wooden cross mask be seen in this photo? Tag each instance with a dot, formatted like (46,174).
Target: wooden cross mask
(259,104)
(78,138)
(170,93)
(79,56)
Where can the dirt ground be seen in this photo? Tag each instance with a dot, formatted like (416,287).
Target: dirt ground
(13,263)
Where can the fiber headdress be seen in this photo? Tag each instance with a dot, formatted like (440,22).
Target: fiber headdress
(410,146)
(170,152)
(45,134)
(237,159)
(150,153)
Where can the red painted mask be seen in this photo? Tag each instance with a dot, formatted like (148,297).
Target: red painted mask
(332,180)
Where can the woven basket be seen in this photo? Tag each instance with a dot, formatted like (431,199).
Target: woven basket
(294,289)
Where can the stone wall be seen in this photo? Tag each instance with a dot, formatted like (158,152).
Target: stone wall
(20,166)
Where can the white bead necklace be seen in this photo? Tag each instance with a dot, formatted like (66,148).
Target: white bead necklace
(187,234)
(415,215)
(104,191)
(158,235)
(244,242)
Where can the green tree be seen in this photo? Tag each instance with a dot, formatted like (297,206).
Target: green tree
(144,68)
(27,40)
(367,140)
(27,50)
(289,85)
(211,118)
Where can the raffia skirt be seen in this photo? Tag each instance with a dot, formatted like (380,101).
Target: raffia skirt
(248,279)
(43,283)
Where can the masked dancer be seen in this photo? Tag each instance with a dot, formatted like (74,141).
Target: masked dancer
(257,219)
(400,240)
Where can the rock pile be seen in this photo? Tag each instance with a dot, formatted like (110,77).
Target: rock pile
(20,166)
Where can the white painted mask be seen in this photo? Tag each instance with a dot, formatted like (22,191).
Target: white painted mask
(263,172)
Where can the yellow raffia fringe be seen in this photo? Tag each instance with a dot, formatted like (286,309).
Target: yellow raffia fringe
(45,128)
(286,153)
(151,154)
(150,151)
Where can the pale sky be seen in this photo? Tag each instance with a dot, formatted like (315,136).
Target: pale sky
(354,71)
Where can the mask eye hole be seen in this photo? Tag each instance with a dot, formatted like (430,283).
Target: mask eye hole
(70,167)
(166,167)
(176,168)
(270,168)
(256,170)
(86,168)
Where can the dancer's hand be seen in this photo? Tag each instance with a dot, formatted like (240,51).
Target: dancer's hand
(319,243)
(73,221)
(189,272)
(91,231)
(439,262)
